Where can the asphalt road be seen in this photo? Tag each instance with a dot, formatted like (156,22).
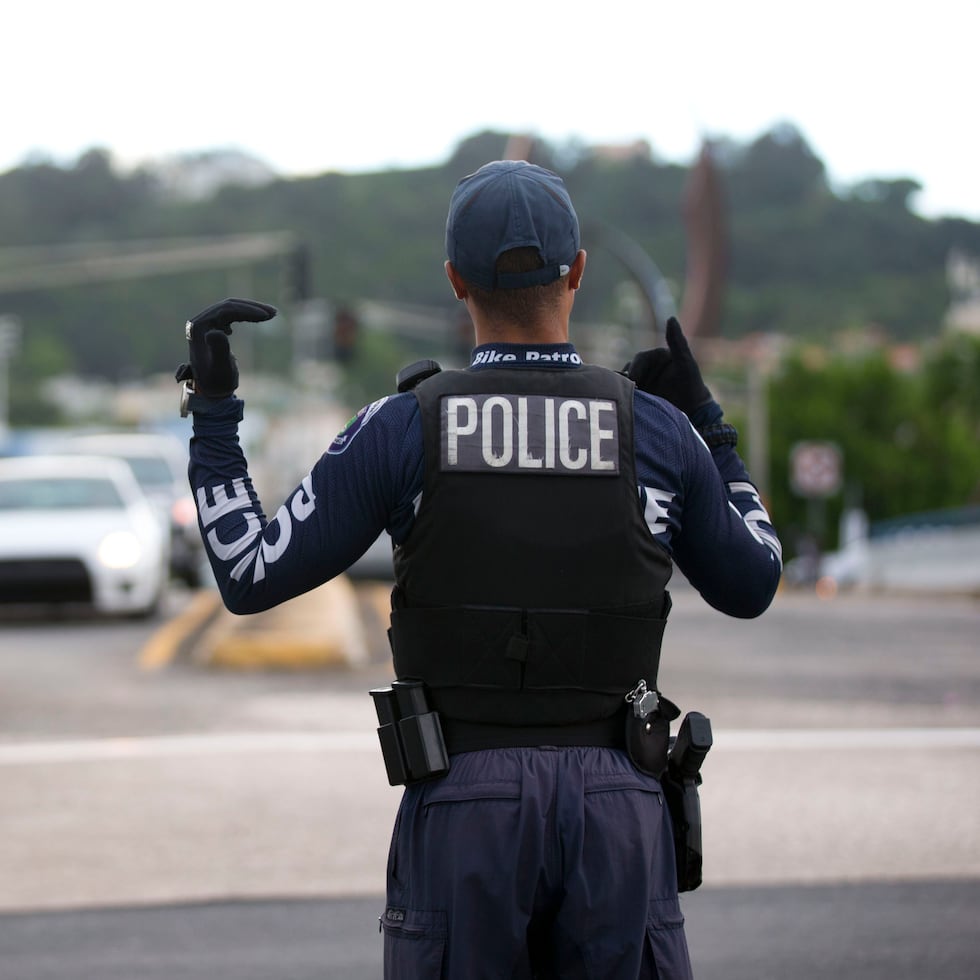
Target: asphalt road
(189,822)
(871,931)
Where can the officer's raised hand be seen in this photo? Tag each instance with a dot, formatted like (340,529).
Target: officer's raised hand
(670,372)
(212,367)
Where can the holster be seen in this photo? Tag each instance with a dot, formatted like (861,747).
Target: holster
(685,818)
(648,739)
(680,783)
(410,734)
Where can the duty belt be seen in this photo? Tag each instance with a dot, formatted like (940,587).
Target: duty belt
(469,736)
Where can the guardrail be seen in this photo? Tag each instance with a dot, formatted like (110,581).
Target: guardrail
(930,551)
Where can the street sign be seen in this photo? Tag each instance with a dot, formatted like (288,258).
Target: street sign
(816,469)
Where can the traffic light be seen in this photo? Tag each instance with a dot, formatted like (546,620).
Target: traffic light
(345,330)
(298,286)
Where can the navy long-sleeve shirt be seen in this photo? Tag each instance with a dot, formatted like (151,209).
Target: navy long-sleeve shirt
(699,504)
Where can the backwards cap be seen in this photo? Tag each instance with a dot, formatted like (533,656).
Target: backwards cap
(511,204)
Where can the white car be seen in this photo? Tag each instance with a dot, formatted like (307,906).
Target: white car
(159,463)
(78,529)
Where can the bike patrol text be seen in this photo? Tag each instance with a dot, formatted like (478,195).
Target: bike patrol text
(493,356)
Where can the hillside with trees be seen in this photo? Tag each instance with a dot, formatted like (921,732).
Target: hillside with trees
(102,267)
(805,260)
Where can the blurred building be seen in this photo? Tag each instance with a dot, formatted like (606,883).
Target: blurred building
(963,278)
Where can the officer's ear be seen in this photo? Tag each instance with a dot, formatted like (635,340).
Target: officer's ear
(459,286)
(577,270)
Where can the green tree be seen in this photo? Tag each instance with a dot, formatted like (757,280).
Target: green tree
(910,440)
(777,170)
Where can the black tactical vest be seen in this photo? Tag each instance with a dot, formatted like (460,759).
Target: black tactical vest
(530,591)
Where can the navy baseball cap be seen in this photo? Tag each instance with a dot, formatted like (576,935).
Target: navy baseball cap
(511,204)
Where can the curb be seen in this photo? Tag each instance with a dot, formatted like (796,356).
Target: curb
(168,642)
(321,628)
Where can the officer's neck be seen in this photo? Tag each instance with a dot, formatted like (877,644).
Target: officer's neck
(551,331)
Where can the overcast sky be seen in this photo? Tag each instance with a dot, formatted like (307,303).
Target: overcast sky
(878,89)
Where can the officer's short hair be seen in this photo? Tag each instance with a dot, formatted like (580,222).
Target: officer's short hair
(518,305)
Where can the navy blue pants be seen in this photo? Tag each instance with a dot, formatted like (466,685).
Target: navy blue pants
(534,863)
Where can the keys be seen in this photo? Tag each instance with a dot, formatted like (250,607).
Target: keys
(644,700)
(646,703)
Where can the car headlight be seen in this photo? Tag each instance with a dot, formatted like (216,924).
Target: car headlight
(120,549)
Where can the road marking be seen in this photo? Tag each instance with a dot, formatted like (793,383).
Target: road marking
(849,738)
(162,647)
(168,746)
(232,743)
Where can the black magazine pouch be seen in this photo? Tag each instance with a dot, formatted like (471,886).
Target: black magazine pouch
(648,718)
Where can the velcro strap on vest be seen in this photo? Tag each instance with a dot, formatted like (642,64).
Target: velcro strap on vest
(515,649)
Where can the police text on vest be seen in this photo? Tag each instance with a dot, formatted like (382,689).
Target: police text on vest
(529,434)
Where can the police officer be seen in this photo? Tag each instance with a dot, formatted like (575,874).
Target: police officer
(537,505)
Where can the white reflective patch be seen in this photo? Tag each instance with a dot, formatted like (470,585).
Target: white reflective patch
(223,504)
(571,460)
(271,550)
(505,432)
(259,574)
(655,511)
(773,543)
(225,551)
(456,426)
(757,520)
(753,530)
(245,563)
(304,500)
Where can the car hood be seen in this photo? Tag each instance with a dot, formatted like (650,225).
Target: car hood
(40,533)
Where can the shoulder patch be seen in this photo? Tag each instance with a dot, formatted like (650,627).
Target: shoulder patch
(346,436)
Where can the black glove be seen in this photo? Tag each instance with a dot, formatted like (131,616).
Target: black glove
(213,367)
(670,372)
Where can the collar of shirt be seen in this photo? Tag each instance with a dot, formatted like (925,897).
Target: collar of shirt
(525,356)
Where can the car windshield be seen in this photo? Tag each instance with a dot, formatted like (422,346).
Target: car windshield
(58,493)
(151,471)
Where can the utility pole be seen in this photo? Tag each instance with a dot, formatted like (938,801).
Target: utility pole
(758,423)
(10,331)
